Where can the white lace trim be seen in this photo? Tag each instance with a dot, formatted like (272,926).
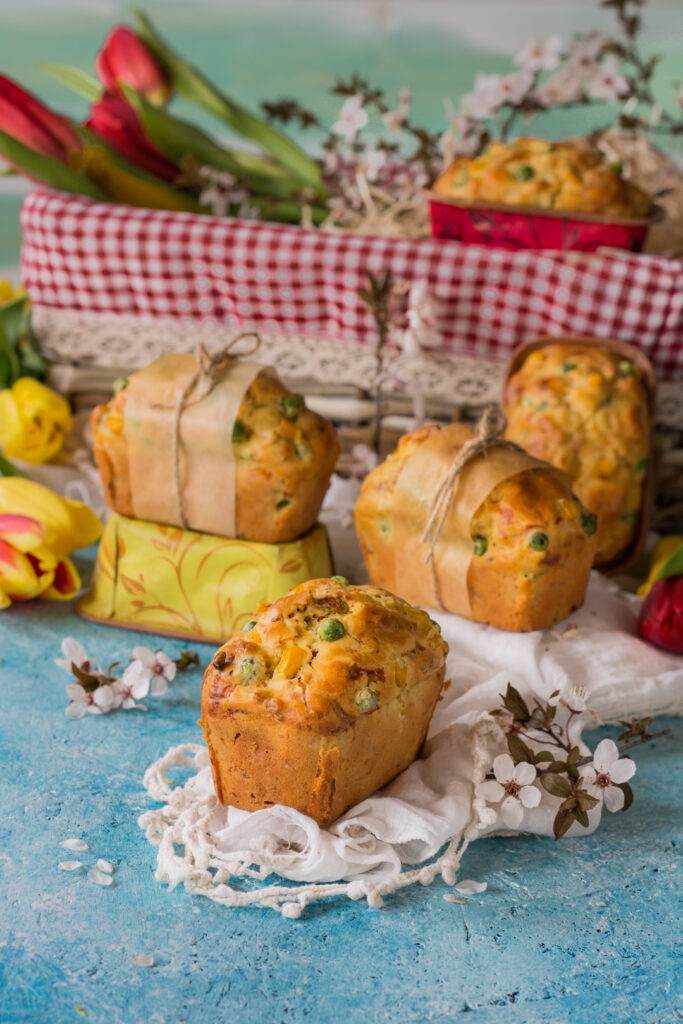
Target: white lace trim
(125,342)
(186,824)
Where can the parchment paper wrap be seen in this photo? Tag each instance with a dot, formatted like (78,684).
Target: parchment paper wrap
(206,462)
(415,489)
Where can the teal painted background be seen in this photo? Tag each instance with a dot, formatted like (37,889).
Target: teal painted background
(267,49)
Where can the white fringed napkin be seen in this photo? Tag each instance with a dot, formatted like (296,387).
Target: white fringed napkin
(367,851)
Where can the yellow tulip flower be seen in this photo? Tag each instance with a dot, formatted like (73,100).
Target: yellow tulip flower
(8,293)
(33,421)
(661,553)
(38,529)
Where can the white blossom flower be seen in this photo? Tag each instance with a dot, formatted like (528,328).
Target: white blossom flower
(75,654)
(588,48)
(364,460)
(97,702)
(578,699)
(540,54)
(512,786)
(516,85)
(459,139)
(394,120)
(608,770)
(160,668)
(352,117)
(485,98)
(133,685)
(607,84)
(422,317)
(372,162)
(564,86)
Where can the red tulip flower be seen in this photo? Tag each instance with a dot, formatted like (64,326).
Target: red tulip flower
(117,123)
(26,119)
(125,58)
(661,617)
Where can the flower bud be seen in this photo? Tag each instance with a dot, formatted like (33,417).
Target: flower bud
(125,58)
(29,121)
(115,121)
(661,617)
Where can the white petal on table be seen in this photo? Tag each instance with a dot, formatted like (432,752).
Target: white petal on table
(143,960)
(106,866)
(74,844)
(99,877)
(468,887)
(70,865)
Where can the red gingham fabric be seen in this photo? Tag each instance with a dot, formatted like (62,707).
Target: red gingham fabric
(105,258)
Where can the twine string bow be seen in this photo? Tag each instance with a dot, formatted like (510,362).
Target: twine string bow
(212,368)
(488,432)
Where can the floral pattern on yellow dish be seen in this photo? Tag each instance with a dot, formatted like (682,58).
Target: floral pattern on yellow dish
(563,176)
(162,579)
(585,409)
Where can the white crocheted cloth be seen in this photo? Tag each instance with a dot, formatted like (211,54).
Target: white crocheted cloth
(389,840)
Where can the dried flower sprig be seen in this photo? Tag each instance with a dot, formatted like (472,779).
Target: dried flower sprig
(592,68)
(580,781)
(377,297)
(96,691)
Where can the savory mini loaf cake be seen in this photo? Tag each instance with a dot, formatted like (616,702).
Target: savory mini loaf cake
(515,555)
(569,175)
(284,456)
(585,409)
(322,699)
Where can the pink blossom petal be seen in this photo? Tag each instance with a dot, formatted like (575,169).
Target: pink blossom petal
(614,798)
(511,812)
(529,796)
(75,691)
(491,791)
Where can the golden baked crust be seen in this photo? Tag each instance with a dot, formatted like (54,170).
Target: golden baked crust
(585,409)
(284,457)
(530,539)
(319,724)
(567,175)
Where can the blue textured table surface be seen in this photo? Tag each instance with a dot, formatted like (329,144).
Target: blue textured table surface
(586,930)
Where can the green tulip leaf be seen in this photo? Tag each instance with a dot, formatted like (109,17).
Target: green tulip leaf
(195,87)
(8,468)
(78,81)
(46,169)
(673,565)
(178,139)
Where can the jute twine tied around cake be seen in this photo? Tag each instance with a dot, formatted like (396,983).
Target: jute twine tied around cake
(211,369)
(488,434)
